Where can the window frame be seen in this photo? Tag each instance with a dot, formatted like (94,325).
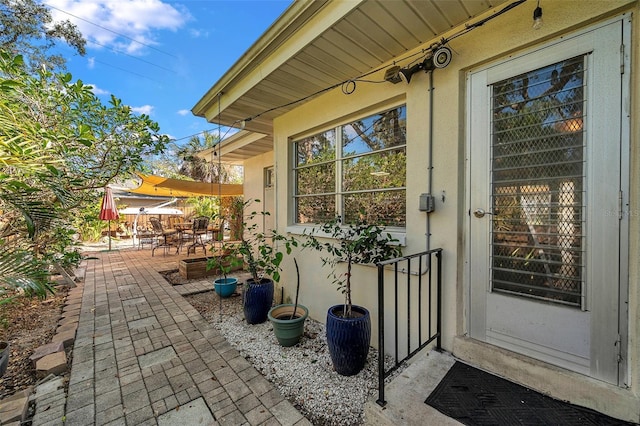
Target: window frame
(296,227)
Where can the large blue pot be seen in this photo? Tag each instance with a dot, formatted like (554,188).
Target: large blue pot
(348,339)
(257,300)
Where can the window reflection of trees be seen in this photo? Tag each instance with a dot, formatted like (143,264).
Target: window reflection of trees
(537,183)
(372,160)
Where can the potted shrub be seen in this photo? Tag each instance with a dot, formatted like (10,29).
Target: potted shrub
(348,325)
(262,257)
(288,319)
(224,263)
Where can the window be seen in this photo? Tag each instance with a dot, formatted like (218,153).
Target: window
(356,170)
(538,179)
(269,178)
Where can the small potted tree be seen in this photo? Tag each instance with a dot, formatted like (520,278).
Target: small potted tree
(348,325)
(224,263)
(262,257)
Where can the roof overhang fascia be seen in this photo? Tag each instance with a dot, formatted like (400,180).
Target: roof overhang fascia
(234,149)
(271,51)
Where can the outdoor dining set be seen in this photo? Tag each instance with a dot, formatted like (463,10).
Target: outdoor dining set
(173,234)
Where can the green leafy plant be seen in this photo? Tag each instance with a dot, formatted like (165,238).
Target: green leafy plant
(205,206)
(262,252)
(236,218)
(58,144)
(354,243)
(224,263)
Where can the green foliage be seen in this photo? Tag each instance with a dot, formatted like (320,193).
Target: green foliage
(201,169)
(260,251)
(355,243)
(205,206)
(58,144)
(87,221)
(26,27)
(235,218)
(20,269)
(224,263)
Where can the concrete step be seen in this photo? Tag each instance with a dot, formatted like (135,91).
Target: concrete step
(406,393)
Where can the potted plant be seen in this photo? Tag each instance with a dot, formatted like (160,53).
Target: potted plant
(349,326)
(288,319)
(224,262)
(262,257)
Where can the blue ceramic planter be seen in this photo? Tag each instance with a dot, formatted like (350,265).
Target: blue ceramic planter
(257,300)
(348,339)
(225,287)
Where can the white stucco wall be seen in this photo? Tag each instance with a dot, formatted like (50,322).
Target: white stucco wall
(254,174)
(511,33)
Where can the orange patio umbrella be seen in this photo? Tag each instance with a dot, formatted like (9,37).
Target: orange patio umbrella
(108,210)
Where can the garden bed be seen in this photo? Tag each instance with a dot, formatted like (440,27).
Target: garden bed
(197,268)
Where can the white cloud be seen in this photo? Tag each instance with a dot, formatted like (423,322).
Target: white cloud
(196,33)
(116,24)
(184,112)
(97,91)
(91,62)
(144,109)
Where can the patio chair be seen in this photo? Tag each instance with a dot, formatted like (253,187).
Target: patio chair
(145,236)
(198,229)
(159,231)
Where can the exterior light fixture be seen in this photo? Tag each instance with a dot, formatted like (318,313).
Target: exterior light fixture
(440,58)
(537,17)
(392,75)
(406,73)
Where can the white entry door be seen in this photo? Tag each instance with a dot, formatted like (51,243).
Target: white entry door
(544,202)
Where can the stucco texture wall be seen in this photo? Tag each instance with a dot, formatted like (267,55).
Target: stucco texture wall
(506,35)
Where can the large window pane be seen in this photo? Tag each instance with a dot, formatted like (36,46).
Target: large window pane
(374,133)
(316,148)
(375,171)
(538,183)
(383,207)
(357,170)
(319,179)
(316,209)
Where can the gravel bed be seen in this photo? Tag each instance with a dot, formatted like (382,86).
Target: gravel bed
(303,373)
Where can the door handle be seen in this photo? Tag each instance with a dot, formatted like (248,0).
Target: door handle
(480,213)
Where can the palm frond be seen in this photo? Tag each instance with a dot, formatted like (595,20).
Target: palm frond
(19,269)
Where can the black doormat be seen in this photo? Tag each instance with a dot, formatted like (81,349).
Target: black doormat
(477,398)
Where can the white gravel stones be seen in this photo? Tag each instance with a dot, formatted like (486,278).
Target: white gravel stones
(303,373)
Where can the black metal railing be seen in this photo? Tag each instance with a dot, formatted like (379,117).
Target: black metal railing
(413,275)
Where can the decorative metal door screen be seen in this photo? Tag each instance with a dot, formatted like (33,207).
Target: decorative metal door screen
(537,183)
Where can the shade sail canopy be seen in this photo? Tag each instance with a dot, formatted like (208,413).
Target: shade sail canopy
(161,186)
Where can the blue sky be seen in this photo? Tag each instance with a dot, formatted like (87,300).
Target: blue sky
(160,57)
